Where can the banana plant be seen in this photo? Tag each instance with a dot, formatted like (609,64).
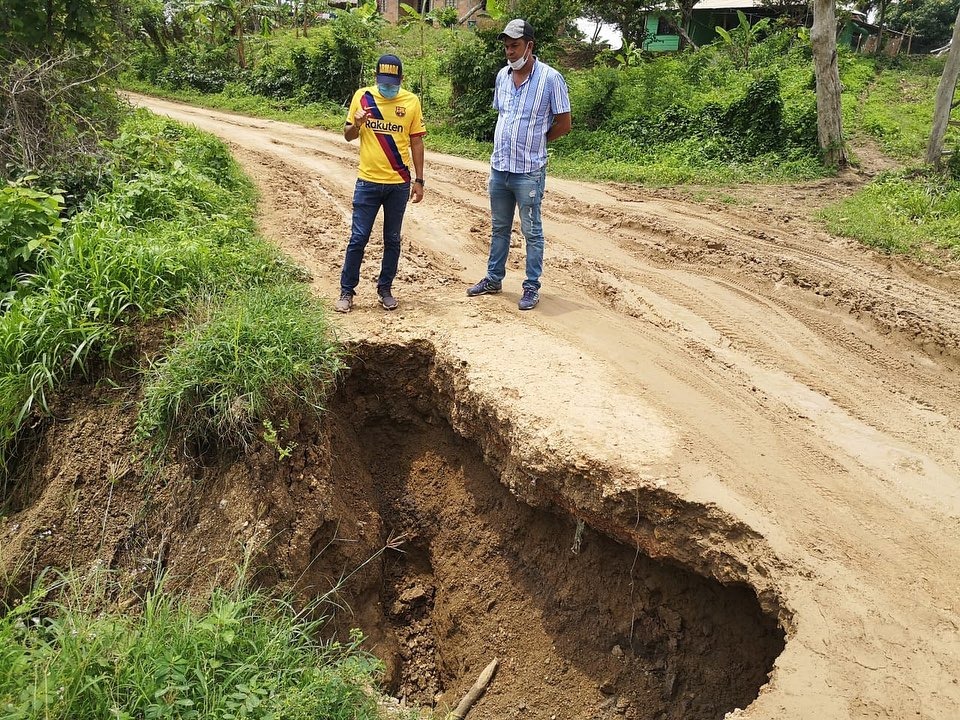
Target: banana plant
(629,55)
(740,39)
(233,17)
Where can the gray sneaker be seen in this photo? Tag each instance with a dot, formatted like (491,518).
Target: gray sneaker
(388,301)
(484,287)
(345,303)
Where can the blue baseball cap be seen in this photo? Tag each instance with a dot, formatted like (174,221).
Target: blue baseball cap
(389,70)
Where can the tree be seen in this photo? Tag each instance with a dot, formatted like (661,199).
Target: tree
(147,19)
(233,17)
(930,21)
(945,92)
(680,20)
(550,18)
(55,106)
(823,39)
(880,24)
(33,27)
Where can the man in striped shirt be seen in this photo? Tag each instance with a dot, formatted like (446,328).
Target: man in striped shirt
(533,108)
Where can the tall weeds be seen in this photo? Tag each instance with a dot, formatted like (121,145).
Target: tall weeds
(176,225)
(243,656)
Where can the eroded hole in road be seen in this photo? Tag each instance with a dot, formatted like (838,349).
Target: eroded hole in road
(584,627)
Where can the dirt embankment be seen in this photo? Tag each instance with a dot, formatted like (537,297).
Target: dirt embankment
(719,420)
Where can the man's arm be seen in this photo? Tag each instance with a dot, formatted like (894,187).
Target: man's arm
(416,149)
(560,127)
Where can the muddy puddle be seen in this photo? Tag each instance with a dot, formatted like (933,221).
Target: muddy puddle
(583,626)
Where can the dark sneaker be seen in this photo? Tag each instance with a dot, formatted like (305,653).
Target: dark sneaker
(345,303)
(388,301)
(484,287)
(529,299)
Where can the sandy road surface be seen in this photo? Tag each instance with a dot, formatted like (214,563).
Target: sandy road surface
(731,354)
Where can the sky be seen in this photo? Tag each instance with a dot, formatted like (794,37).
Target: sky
(608,33)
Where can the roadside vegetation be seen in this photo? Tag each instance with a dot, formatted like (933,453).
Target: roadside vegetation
(909,212)
(67,651)
(115,227)
(115,223)
(173,226)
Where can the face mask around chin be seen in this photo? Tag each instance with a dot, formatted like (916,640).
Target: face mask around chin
(388,91)
(519,62)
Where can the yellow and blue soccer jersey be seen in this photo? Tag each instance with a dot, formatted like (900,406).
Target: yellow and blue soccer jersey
(385,136)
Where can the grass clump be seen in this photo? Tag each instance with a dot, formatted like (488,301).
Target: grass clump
(243,656)
(174,224)
(240,362)
(890,102)
(902,212)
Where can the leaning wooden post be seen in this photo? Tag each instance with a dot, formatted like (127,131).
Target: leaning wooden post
(479,687)
(944,103)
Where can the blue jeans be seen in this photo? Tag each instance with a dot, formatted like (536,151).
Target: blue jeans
(509,191)
(368,198)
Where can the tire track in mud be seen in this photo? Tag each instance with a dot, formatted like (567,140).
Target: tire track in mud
(722,237)
(796,340)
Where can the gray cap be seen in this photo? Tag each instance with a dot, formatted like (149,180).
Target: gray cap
(517,29)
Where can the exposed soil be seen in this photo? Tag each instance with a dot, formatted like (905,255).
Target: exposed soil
(748,430)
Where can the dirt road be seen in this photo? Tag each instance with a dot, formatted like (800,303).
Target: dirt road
(796,394)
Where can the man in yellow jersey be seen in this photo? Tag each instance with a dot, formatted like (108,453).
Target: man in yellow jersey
(389,122)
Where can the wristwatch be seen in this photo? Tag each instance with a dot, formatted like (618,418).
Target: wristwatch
(419,181)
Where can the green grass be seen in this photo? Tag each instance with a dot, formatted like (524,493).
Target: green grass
(892,105)
(912,213)
(176,225)
(238,365)
(243,656)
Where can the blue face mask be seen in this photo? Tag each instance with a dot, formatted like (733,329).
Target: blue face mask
(388,91)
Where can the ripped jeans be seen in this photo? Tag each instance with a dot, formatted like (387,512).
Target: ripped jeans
(509,191)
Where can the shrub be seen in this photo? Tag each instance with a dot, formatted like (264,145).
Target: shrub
(446,17)
(592,96)
(327,66)
(29,221)
(755,121)
(198,67)
(472,64)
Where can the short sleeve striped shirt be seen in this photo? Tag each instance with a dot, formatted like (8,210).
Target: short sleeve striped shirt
(525,114)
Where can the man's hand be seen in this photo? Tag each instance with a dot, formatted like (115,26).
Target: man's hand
(351,131)
(416,192)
